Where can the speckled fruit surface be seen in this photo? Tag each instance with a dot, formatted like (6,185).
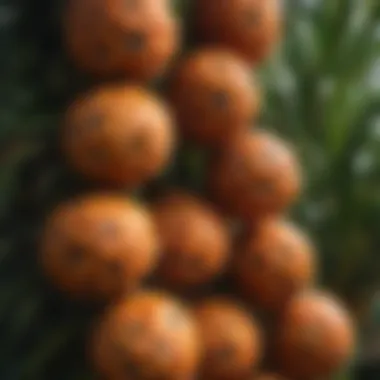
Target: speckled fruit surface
(257,175)
(119,135)
(231,339)
(215,95)
(98,246)
(250,27)
(147,336)
(136,39)
(195,240)
(273,261)
(315,337)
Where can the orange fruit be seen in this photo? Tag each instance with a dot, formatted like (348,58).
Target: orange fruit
(274,261)
(99,246)
(215,95)
(194,239)
(146,336)
(315,337)
(231,339)
(250,27)
(119,135)
(257,175)
(137,39)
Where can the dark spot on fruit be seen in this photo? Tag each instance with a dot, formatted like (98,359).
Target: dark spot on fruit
(80,127)
(263,186)
(137,143)
(220,99)
(196,263)
(97,155)
(252,17)
(135,42)
(256,260)
(75,255)
(222,353)
(238,168)
(116,267)
(94,121)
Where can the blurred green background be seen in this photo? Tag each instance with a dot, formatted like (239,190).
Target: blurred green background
(322,92)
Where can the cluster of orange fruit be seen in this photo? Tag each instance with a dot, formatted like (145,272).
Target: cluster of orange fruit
(106,246)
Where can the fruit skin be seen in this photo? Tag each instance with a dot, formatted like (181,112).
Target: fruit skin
(99,246)
(315,336)
(274,260)
(250,27)
(257,175)
(195,240)
(230,337)
(137,39)
(146,336)
(118,134)
(215,95)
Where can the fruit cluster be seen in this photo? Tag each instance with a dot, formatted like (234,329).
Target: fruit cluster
(146,260)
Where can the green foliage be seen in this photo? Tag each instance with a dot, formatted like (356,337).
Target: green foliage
(322,93)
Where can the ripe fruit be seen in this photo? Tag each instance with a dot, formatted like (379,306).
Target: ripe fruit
(274,261)
(195,240)
(99,246)
(147,336)
(214,95)
(231,339)
(315,336)
(118,37)
(255,176)
(250,27)
(120,135)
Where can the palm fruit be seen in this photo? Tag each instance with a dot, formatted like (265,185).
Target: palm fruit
(146,336)
(215,95)
(195,241)
(98,246)
(231,339)
(315,336)
(274,260)
(250,27)
(137,39)
(118,134)
(255,176)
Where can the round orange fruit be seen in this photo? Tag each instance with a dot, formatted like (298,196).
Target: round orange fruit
(255,176)
(147,336)
(195,241)
(119,135)
(214,95)
(250,27)
(136,39)
(231,339)
(99,246)
(274,261)
(315,337)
